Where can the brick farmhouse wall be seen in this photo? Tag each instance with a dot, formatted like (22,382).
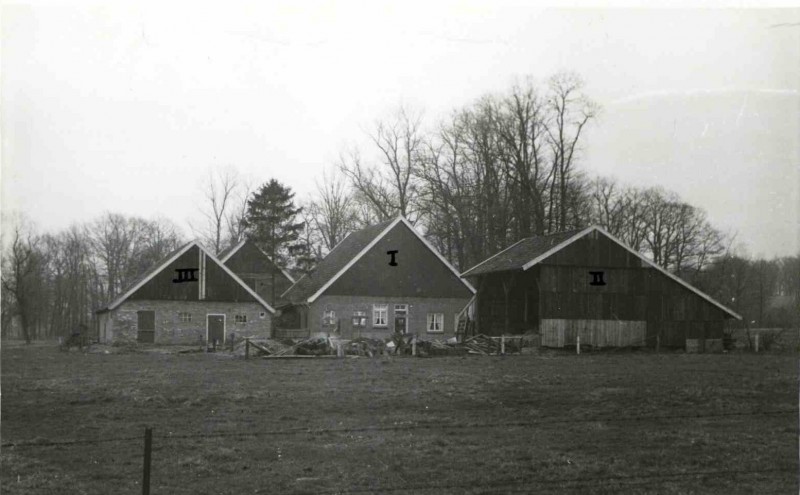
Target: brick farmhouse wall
(418,309)
(120,324)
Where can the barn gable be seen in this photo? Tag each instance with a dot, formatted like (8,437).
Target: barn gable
(418,271)
(593,246)
(246,257)
(190,274)
(256,269)
(359,265)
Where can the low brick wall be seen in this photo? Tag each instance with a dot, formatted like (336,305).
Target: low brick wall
(121,325)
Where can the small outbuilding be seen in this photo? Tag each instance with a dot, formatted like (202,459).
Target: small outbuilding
(590,284)
(382,279)
(257,269)
(189,297)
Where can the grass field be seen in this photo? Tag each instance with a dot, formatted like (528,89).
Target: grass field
(550,422)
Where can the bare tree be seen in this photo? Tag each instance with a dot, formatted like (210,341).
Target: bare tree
(571,111)
(332,212)
(219,194)
(390,187)
(22,273)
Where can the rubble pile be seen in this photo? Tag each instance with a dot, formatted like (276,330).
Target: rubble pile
(370,347)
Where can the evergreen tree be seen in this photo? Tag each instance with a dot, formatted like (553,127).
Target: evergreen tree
(271,222)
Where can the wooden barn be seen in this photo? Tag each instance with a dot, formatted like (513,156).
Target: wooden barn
(385,278)
(258,271)
(188,297)
(590,284)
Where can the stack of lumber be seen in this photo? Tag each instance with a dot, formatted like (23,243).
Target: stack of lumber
(481,344)
(439,348)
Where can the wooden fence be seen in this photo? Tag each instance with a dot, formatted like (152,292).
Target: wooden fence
(596,333)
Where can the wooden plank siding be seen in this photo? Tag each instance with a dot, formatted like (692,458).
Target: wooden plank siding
(219,285)
(596,333)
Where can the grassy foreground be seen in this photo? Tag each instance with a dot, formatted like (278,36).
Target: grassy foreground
(551,422)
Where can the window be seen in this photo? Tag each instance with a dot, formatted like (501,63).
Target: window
(435,322)
(359,318)
(329,317)
(185,317)
(380,314)
(240,318)
(401,309)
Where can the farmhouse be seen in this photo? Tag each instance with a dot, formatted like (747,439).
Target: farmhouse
(188,297)
(590,284)
(378,280)
(256,268)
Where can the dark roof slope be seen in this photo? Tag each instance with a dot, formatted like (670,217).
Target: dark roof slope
(158,265)
(222,254)
(520,253)
(333,263)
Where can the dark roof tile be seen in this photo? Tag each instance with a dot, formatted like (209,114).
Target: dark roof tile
(520,253)
(332,264)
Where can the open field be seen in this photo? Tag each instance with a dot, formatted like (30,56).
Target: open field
(550,422)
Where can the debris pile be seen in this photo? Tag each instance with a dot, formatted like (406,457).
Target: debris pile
(371,347)
(481,344)
(363,346)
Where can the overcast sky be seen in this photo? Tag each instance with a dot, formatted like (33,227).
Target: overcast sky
(125,107)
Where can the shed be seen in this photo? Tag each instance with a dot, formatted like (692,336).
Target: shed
(590,284)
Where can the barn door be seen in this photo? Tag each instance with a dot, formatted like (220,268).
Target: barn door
(146,326)
(215,326)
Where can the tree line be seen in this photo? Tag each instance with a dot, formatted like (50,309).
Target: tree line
(504,167)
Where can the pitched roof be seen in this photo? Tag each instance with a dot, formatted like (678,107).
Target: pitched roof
(346,254)
(528,252)
(228,253)
(165,261)
(521,252)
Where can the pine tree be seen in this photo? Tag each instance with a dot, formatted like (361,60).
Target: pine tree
(271,222)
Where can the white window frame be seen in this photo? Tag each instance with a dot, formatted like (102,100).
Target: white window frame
(362,316)
(329,317)
(377,309)
(240,319)
(435,320)
(401,309)
(185,316)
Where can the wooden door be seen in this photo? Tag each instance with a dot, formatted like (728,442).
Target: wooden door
(400,324)
(146,326)
(216,328)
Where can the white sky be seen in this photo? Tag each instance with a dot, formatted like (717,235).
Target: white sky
(125,107)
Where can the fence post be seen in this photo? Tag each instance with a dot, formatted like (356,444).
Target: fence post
(247,348)
(578,347)
(148,441)
(503,344)
(414,345)
(756,341)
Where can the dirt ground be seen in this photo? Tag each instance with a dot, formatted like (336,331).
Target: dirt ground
(612,422)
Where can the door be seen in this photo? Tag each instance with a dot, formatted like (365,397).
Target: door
(401,318)
(215,328)
(146,326)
